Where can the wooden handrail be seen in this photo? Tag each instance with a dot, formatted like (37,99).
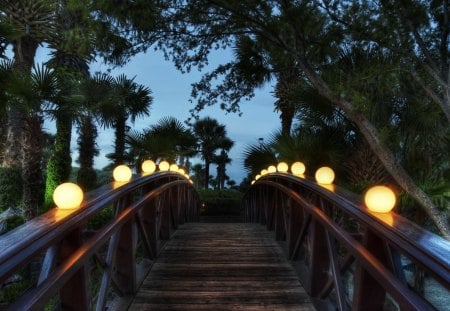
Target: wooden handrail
(144,208)
(304,213)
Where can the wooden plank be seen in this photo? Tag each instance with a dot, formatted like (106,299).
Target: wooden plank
(227,266)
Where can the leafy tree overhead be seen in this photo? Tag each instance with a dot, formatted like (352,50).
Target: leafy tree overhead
(315,34)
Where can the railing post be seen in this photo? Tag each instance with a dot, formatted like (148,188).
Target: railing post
(295,227)
(125,272)
(279,216)
(166,215)
(150,219)
(368,293)
(320,260)
(74,295)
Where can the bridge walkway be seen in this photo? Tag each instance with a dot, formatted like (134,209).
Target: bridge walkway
(222,266)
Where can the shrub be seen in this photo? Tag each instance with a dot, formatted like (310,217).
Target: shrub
(10,188)
(221,202)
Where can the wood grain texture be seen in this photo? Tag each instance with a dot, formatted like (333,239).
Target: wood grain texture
(222,266)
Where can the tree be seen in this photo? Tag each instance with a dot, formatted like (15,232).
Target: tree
(211,136)
(33,91)
(32,22)
(166,140)
(132,100)
(304,30)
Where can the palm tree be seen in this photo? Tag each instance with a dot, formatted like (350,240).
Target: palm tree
(210,136)
(132,100)
(221,160)
(97,95)
(33,91)
(32,23)
(169,139)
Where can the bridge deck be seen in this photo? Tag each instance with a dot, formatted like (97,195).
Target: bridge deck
(227,266)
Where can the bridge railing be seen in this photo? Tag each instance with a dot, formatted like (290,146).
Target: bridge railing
(76,262)
(346,256)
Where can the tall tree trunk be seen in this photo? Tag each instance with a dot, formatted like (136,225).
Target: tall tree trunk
(87,177)
(59,165)
(207,163)
(385,155)
(32,144)
(24,51)
(287,113)
(119,147)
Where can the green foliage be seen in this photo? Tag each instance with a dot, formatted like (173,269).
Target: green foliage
(10,187)
(14,222)
(11,292)
(87,178)
(100,219)
(221,202)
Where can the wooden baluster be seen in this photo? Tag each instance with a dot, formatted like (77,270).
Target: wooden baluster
(125,273)
(175,207)
(181,204)
(319,261)
(279,216)
(368,294)
(150,219)
(74,295)
(295,228)
(166,217)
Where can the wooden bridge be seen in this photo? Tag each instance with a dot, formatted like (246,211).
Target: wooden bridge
(138,246)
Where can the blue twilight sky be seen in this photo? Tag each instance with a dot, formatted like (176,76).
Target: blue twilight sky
(171,93)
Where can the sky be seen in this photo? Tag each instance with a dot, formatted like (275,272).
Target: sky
(171,93)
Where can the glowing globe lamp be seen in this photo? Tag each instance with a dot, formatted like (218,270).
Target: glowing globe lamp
(325,175)
(380,199)
(257,177)
(298,168)
(271,169)
(252,182)
(264,172)
(173,168)
(282,167)
(181,171)
(148,167)
(68,196)
(122,173)
(164,166)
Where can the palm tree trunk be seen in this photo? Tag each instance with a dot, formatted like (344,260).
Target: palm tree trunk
(59,165)
(24,51)
(87,177)
(207,163)
(32,144)
(119,147)
(385,155)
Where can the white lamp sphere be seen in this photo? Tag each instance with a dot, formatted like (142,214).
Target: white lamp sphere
(68,196)
(181,171)
(122,173)
(264,172)
(257,177)
(164,166)
(298,168)
(148,166)
(380,199)
(173,168)
(272,169)
(282,167)
(325,175)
